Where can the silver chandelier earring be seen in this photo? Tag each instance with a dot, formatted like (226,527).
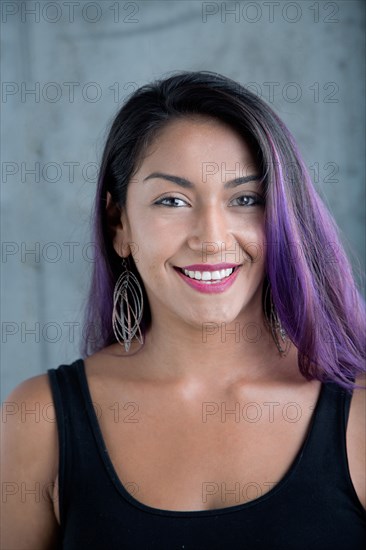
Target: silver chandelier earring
(278,332)
(127,308)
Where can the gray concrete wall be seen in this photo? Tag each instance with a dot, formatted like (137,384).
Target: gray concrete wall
(305,58)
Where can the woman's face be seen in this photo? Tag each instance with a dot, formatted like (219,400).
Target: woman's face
(184,211)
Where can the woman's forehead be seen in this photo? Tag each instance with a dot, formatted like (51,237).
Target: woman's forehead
(211,143)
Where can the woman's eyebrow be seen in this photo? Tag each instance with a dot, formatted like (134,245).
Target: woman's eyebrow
(183,182)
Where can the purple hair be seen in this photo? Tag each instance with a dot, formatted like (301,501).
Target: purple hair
(315,295)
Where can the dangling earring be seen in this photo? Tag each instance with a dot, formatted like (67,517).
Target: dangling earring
(278,332)
(127,308)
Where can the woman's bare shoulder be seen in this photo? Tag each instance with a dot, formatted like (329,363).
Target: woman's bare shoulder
(35,391)
(28,417)
(35,386)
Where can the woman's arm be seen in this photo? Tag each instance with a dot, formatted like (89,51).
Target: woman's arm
(29,464)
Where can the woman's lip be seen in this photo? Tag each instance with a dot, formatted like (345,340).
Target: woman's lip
(209,288)
(208,267)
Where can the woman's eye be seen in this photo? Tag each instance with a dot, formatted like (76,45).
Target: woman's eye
(248,200)
(171,201)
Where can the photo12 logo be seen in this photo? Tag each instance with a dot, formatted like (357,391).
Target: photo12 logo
(67,92)
(270,12)
(28,11)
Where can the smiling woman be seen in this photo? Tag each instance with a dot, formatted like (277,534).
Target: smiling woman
(220,400)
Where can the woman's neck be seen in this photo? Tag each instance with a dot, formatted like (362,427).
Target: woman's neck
(226,352)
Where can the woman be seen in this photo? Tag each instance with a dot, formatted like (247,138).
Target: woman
(220,401)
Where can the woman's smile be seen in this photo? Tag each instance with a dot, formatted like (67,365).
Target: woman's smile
(209,278)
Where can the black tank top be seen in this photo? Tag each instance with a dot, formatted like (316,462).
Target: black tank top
(313,507)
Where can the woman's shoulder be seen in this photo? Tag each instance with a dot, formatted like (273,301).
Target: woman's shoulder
(29,433)
(26,403)
(26,414)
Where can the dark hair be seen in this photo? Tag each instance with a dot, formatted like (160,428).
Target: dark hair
(311,278)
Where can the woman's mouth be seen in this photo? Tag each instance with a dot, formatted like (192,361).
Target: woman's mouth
(208,277)
(212,280)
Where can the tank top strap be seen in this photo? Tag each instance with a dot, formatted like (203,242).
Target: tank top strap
(324,457)
(331,417)
(75,433)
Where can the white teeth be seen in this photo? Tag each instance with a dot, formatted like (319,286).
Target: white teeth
(208,276)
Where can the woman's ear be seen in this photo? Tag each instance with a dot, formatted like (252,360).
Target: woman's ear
(117,227)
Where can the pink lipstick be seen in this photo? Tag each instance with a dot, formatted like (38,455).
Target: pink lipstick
(209,279)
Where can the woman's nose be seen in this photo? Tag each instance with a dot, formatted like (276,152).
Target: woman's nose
(210,230)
